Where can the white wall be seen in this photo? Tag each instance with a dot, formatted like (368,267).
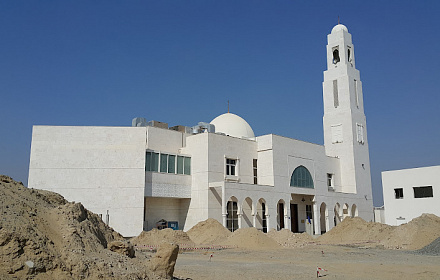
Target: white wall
(403,210)
(101,167)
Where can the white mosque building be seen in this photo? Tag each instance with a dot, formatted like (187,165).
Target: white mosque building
(137,176)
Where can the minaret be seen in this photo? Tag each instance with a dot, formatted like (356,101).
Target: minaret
(345,129)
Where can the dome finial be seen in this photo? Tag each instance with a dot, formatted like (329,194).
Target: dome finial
(339,21)
(228,106)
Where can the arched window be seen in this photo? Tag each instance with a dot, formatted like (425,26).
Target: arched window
(301,178)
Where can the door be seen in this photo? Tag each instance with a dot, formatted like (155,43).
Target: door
(281,214)
(294,217)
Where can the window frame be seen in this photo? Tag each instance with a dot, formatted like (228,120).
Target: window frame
(302,178)
(398,193)
(423,192)
(231,167)
(161,163)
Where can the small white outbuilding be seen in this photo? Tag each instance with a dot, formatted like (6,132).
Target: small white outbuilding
(408,193)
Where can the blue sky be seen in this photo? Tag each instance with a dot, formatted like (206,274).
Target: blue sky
(106,62)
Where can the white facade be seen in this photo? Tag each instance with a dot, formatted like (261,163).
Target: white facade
(408,193)
(136,176)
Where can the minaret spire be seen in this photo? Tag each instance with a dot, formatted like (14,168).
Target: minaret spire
(339,21)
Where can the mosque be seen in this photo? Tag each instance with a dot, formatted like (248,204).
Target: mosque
(150,175)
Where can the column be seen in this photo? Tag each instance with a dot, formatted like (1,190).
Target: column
(288,223)
(224,211)
(316,219)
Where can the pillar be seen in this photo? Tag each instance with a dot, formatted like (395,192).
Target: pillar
(287,223)
(316,219)
(224,211)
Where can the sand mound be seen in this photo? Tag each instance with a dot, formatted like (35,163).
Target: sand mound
(411,236)
(45,237)
(251,238)
(286,238)
(356,230)
(414,235)
(209,232)
(155,237)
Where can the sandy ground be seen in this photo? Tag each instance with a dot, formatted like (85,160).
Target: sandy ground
(341,262)
(43,236)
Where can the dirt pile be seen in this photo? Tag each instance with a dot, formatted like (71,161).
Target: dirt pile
(356,230)
(414,235)
(209,232)
(163,262)
(122,247)
(251,238)
(286,238)
(155,237)
(42,236)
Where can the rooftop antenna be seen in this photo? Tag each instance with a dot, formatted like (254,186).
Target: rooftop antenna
(228,106)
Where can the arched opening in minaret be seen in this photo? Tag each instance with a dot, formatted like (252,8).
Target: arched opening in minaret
(349,54)
(336,58)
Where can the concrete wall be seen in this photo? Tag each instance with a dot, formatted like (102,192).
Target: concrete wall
(403,210)
(101,167)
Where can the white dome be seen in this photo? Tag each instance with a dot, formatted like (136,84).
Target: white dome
(339,27)
(233,125)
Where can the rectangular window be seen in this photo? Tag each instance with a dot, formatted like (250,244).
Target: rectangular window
(167,163)
(336,133)
(329,180)
(398,193)
(152,162)
(255,171)
(148,162)
(335,93)
(421,192)
(356,96)
(171,164)
(155,162)
(360,133)
(231,166)
(180,164)
(187,166)
(163,163)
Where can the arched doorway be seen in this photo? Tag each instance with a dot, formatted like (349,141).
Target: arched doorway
(324,218)
(338,212)
(261,222)
(281,214)
(354,211)
(345,211)
(247,213)
(232,216)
